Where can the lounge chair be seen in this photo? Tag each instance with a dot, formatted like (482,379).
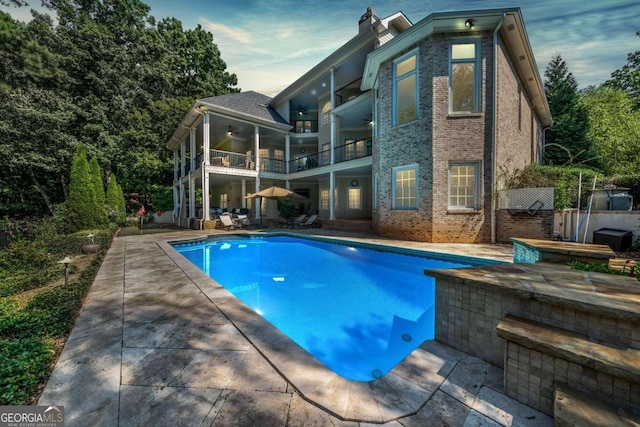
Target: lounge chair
(309,223)
(228,223)
(293,223)
(244,221)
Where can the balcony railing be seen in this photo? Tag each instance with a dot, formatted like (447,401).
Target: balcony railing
(268,164)
(229,159)
(348,92)
(349,151)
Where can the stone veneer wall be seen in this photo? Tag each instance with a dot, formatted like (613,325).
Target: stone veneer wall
(467,315)
(523,225)
(530,378)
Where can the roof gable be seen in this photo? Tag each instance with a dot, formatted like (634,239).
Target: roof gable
(251,104)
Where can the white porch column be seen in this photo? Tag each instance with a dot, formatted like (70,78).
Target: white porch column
(257,150)
(258,201)
(176,201)
(205,194)
(192,198)
(243,191)
(192,148)
(287,153)
(176,165)
(332,187)
(206,143)
(181,203)
(332,117)
(183,155)
(206,201)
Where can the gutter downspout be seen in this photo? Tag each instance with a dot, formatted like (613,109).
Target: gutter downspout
(494,130)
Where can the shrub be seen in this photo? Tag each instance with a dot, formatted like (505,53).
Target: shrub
(288,208)
(86,207)
(116,209)
(162,198)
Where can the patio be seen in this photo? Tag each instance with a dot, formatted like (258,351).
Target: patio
(158,343)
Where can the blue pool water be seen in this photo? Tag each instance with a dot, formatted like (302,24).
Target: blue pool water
(357,310)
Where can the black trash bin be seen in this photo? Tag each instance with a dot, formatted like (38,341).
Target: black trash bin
(618,240)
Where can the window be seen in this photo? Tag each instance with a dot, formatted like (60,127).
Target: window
(326,113)
(355,198)
(278,161)
(464,185)
(465,81)
(324,199)
(224,201)
(264,160)
(405,88)
(326,153)
(405,188)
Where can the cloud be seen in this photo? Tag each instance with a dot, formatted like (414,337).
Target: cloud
(234,33)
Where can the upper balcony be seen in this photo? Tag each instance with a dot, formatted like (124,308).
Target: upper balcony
(348,92)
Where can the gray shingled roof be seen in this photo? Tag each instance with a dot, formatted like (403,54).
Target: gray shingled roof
(250,103)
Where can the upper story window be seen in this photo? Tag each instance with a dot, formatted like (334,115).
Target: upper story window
(405,88)
(326,113)
(405,187)
(464,81)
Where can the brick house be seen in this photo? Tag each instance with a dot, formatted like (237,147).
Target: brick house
(411,127)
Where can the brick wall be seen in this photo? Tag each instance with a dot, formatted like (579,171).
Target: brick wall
(521,224)
(437,138)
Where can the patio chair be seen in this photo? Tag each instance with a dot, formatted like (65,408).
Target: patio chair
(228,223)
(308,223)
(244,221)
(293,223)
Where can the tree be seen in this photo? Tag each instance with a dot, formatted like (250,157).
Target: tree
(614,129)
(627,78)
(97,182)
(566,141)
(84,210)
(116,208)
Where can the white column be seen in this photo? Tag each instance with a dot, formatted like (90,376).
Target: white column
(332,117)
(176,200)
(257,150)
(183,155)
(206,144)
(287,153)
(205,195)
(332,186)
(183,207)
(176,165)
(192,148)
(243,191)
(192,198)
(206,202)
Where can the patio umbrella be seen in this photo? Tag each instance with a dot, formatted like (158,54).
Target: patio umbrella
(273,192)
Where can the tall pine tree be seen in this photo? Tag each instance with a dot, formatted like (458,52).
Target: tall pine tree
(567,142)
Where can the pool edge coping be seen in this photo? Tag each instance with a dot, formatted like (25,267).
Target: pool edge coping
(310,378)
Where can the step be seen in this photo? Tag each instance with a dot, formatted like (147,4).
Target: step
(574,408)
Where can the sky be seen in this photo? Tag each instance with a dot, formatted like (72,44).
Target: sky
(269,44)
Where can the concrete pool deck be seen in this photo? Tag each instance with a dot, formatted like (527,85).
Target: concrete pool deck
(159,343)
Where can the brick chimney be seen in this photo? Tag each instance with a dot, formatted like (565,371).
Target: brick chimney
(367,20)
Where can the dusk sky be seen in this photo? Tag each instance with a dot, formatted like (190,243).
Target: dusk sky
(268,44)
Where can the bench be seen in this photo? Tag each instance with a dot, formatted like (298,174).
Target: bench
(538,357)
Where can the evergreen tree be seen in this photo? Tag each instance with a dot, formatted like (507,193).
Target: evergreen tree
(84,210)
(566,141)
(96,179)
(115,201)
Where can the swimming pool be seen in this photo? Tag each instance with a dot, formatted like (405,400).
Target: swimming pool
(358,310)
